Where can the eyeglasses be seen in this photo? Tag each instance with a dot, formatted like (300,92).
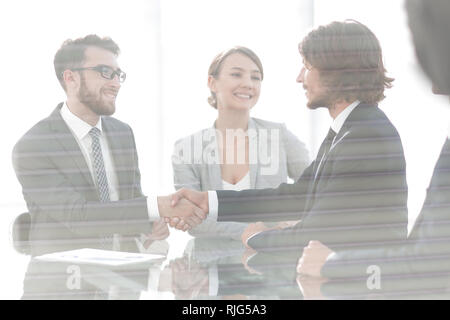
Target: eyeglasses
(106,72)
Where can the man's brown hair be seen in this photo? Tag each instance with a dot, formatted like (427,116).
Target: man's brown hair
(349,60)
(71,53)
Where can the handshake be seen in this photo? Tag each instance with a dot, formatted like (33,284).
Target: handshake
(184,209)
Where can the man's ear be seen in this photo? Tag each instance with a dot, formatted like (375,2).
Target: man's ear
(71,79)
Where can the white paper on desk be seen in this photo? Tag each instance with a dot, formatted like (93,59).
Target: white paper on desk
(99,257)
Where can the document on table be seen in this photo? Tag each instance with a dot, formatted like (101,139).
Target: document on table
(99,257)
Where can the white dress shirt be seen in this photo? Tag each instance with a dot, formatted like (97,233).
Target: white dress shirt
(242,184)
(80,130)
(338,122)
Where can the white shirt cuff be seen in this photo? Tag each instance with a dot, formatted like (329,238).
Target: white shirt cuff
(330,256)
(152,207)
(153,278)
(248,239)
(213,281)
(213,204)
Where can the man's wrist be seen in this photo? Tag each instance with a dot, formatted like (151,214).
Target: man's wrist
(163,204)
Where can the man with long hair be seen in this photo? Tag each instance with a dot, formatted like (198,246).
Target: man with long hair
(418,267)
(354,193)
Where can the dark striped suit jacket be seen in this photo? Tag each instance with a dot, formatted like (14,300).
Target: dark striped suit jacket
(357,199)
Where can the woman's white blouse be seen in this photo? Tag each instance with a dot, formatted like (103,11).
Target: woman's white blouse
(242,184)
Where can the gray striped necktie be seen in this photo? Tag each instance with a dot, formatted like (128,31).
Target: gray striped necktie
(99,165)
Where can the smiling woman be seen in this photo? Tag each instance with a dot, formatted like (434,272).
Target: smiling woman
(161,103)
(238,152)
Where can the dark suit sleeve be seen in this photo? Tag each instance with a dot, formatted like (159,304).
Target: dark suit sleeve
(286,202)
(395,259)
(404,270)
(422,255)
(427,250)
(359,200)
(59,203)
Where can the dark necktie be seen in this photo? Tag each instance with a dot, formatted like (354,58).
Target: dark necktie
(323,151)
(99,165)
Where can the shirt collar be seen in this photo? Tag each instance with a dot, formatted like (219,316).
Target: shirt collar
(79,127)
(340,119)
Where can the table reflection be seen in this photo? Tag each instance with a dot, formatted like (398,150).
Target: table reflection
(210,268)
(215,269)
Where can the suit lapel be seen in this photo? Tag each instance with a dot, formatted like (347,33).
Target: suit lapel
(356,116)
(122,156)
(66,140)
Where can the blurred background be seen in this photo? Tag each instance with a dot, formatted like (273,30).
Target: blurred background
(167,46)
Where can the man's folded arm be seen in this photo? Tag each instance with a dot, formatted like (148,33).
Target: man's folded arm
(361,203)
(56,206)
(286,202)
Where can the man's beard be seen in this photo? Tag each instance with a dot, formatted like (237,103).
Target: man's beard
(321,101)
(94,101)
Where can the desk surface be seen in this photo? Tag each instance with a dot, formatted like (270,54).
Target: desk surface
(195,268)
(199,268)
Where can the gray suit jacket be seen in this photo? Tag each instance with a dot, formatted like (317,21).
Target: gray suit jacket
(62,199)
(274,155)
